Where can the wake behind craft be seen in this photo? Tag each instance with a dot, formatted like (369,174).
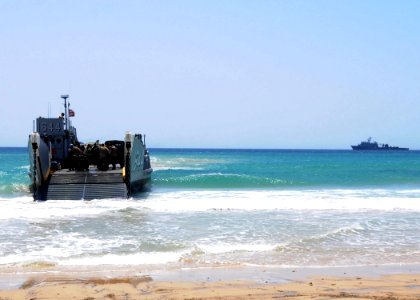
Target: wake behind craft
(61,167)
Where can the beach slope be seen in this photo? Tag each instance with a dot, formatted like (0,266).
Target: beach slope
(402,286)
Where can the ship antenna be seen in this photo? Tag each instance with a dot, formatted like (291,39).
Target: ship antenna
(65,109)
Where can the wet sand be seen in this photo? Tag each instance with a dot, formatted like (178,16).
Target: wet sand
(317,284)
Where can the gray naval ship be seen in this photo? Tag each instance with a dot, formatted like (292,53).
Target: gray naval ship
(372,145)
(61,167)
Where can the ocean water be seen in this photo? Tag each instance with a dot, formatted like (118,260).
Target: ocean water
(280,208)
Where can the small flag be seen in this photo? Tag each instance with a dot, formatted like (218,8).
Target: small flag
(71,113)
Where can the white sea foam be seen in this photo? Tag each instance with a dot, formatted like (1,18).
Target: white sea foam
(26,208)
(226,248)
(283,200)
(341,231)
(70,248)
(199,201)
(152,258)
(78,255)
(149,258)
(328,226)
(182,163)
(164,168)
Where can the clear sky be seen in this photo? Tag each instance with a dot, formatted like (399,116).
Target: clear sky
(219,74)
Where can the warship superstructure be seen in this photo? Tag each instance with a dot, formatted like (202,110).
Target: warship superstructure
(113,169)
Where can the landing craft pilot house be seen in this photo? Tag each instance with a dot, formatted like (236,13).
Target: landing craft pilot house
(52,131)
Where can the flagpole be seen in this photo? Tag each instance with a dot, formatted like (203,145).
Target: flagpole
(65,109)
(66,136)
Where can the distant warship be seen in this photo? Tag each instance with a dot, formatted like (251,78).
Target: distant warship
(372,145)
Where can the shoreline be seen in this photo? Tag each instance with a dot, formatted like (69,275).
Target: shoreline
(225,282)
(319,284)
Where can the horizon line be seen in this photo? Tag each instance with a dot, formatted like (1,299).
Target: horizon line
(222,148)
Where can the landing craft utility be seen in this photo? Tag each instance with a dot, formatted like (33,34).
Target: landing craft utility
(61,167)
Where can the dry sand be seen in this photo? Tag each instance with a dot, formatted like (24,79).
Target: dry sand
(401,286)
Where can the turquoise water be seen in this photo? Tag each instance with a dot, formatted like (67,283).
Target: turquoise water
(14,167)
(285,169)
(253,169)
(221,207)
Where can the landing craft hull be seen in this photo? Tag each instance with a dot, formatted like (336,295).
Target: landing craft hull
(142,184)
(91,183)
(138,171)
(380,149)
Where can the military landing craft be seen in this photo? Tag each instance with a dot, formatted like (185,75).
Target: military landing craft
(61,167)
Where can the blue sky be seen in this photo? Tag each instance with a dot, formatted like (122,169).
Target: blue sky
(219,74)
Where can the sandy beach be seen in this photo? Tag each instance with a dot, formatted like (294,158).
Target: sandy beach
(300,284)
